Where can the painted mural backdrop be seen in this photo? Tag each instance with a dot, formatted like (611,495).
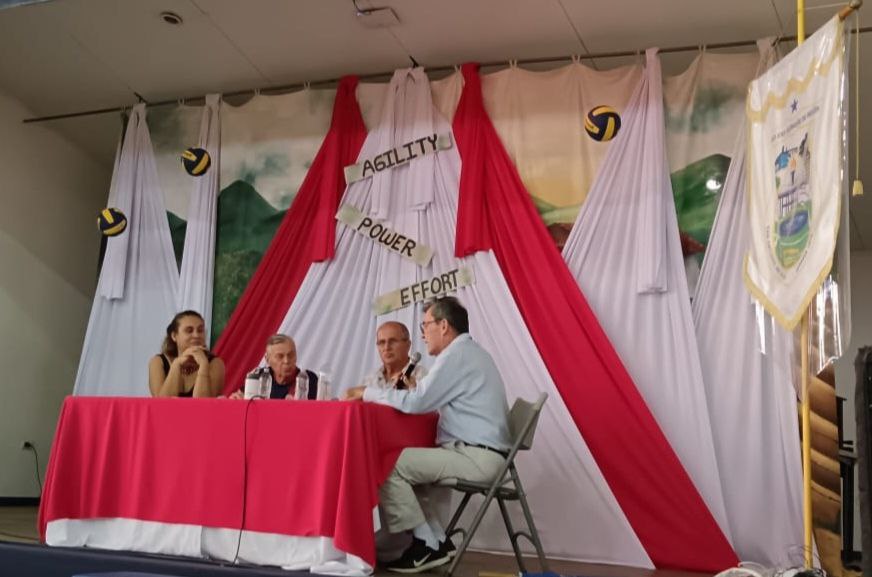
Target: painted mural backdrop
(539,117)
(269,142)
(705,106)
(267,145)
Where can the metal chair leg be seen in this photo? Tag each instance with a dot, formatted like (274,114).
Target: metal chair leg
(522,498)
(513,537)
(471,530)
(456,517)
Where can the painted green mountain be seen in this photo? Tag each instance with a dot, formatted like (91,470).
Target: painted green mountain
(697,189)
(178,227)
(243,217)
(246,225)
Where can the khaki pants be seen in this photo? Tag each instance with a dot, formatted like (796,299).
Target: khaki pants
(417,468)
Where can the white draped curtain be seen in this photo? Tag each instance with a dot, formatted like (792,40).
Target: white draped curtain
(198,258)
(625,253)
(136,292)
(751,398)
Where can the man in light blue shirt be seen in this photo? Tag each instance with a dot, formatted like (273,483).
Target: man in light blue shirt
(465,387)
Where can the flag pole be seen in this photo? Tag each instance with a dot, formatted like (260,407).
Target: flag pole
(803,345)
(803,351)
(806,443)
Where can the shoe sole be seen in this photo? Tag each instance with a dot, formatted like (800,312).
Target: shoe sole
(424,566)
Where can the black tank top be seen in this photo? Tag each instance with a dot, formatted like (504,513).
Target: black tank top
(166,367)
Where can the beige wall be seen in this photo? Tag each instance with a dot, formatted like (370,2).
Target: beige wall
(50,193)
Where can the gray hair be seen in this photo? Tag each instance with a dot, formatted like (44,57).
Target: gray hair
(449,309)
(279,338)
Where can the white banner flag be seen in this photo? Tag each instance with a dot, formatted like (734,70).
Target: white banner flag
(794,173)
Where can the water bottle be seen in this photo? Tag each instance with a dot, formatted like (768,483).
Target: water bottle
(265,382)
(324,392)
(301,392)
(252,385)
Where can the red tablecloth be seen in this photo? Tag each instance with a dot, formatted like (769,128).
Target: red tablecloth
(314,468)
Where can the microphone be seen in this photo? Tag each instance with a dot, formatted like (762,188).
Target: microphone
(413,361)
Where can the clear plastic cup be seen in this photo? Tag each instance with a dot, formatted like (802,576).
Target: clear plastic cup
(324,388)
(301,392)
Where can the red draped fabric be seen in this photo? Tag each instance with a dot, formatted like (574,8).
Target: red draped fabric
(655,493)
(306,235)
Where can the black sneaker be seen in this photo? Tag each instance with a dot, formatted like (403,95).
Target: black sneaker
(448,548)
(417,558)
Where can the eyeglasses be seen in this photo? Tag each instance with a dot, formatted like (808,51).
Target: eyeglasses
(425,323)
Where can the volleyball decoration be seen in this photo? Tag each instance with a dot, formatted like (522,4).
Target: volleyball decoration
(196,161)
(111,222)
(602,123)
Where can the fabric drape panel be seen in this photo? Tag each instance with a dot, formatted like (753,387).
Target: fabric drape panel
(198,259)
(655,493)
(625,253)
(306,235)
(759,460)
(343,341)
(136,292)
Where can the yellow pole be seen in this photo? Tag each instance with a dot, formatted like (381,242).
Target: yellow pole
(803,344)
(806,408)
(800,21)
(806,444)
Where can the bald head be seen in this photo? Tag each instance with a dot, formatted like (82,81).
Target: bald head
(395,326)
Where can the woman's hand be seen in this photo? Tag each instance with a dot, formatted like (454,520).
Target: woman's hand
(198,354)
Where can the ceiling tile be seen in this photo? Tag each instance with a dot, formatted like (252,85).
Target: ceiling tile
(305,40)
(156,59)
(631,24)
(48,70)
(457,31)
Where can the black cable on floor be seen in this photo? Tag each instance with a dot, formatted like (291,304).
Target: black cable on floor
(38,476)
(244,476)
(31,447)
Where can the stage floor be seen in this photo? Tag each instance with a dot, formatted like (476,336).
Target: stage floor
(18,525)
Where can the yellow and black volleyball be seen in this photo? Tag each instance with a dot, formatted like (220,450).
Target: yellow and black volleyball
(196,161)
(602,122)
(111,222)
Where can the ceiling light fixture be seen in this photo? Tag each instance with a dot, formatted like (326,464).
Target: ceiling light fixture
(171,18)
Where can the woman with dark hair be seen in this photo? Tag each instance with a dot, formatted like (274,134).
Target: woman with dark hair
(184,368)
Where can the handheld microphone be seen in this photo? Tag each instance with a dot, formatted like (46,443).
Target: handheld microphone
(413,361)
